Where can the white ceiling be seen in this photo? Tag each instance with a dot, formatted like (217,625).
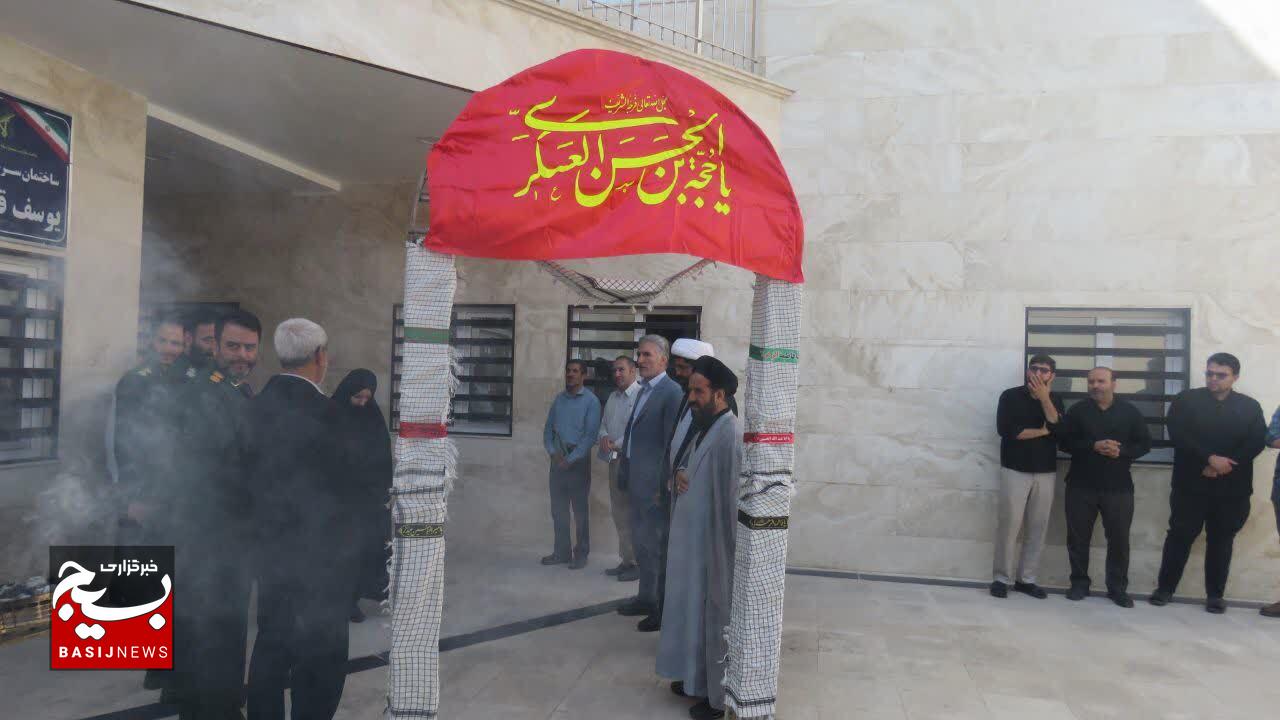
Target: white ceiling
(338,119)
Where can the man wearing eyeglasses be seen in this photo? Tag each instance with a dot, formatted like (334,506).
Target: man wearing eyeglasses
(1026,419)
(1216,434)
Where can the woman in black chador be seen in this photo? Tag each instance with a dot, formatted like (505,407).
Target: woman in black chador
(367,447)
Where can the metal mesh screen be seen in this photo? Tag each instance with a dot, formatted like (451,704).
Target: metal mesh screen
(619,290)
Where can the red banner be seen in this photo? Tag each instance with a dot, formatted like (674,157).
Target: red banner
(599,153)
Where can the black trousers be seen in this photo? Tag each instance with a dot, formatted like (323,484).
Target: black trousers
(211,629)
(1220,518)
(302,645)
(571,488)
(1083,506)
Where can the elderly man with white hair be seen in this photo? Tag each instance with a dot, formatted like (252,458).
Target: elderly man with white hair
(306,568)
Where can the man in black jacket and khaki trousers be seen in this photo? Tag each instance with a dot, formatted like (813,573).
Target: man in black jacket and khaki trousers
(306,567)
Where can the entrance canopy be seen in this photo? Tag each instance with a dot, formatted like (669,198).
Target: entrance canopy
(599,153)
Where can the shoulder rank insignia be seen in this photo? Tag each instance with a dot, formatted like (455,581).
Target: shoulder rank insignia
(216,377)
(145,372)
(191,372)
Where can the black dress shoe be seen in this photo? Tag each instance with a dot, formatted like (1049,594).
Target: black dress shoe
(1121,598)
(1160,598)
(1077,592)
(704,711)
(156,679)
(1031,589)
(357,615)
(653,623)
(631,574)
(677,687)
(622,567)
(578,563)
(999,589)
(170,696)
(1217,606)
(554,560)
(634,609)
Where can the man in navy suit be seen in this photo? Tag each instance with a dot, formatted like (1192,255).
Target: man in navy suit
(642,471)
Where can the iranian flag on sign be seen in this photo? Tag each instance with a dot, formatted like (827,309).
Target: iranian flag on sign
(53,130)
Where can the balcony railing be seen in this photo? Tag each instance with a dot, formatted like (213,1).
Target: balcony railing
(720,30)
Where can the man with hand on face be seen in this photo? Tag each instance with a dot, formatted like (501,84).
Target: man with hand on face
(1104,435)
(1216,433)
(699,585)
(1026,419)
(210,507)
(568,436)
(643,472)
(617,410)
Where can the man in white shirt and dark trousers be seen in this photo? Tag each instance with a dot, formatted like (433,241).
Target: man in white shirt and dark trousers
(613,425)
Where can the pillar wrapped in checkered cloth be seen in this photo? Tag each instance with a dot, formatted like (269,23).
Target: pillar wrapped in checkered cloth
(424,473)
(755,625)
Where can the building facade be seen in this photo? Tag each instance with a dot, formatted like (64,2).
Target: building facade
(977,177)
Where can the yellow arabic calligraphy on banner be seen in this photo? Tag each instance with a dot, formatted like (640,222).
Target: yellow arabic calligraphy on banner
(614,147)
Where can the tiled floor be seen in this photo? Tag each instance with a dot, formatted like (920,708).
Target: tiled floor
(852,649)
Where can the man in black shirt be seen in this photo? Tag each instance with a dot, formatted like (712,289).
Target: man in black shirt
(1216,434)
(1104,435)
(1026,419)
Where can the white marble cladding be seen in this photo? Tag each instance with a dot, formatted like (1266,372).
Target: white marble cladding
(960,160)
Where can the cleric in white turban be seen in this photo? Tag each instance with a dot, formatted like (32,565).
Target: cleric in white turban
(683,354)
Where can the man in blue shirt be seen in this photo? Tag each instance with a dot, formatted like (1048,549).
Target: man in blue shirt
(1273,441)
(568,436)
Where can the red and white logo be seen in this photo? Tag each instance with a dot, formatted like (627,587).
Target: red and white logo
(87,633)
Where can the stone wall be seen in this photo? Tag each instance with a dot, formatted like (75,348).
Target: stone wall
(960,160)
(63,501)
(335,259)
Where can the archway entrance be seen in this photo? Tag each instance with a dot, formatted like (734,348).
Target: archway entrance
(599,154)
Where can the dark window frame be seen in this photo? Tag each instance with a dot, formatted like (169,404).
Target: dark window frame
(16,340)
(464,381)
(1071,397)
(571,325)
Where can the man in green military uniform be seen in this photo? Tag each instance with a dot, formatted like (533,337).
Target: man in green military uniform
(202,329)
(140,441)
(209,506)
